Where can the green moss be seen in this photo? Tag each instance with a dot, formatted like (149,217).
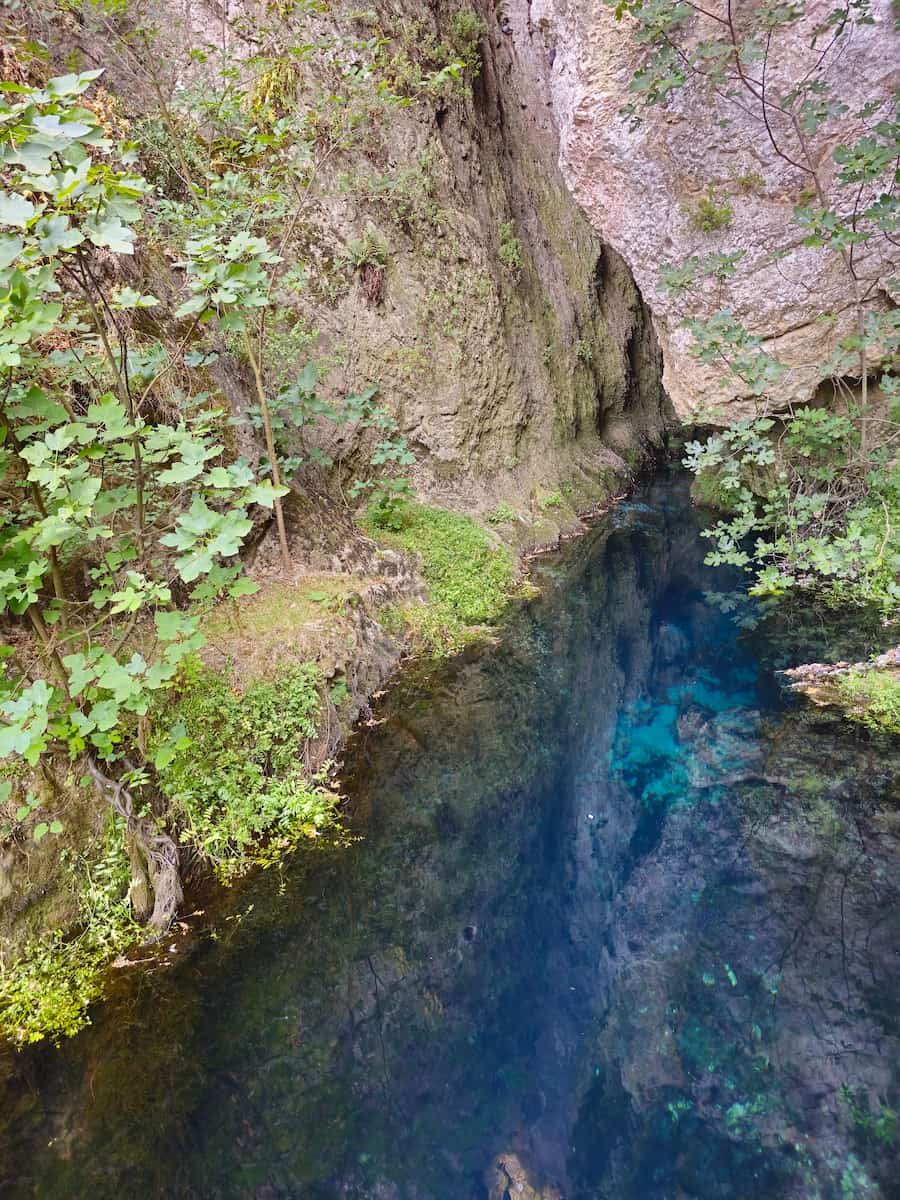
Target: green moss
(469,578)
(584,352)
(231,766)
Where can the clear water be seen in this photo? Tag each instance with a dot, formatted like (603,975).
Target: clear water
(615,921)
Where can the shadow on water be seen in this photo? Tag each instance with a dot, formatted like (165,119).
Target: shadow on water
(615,917)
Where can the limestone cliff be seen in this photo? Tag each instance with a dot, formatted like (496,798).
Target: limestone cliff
(510,341)
(639,185)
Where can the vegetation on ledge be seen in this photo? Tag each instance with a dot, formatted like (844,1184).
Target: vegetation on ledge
(873,697)
(470,577)
(868,692)
(47,990)
(234,767)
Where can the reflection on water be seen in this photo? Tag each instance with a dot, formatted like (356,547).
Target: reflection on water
(616,925)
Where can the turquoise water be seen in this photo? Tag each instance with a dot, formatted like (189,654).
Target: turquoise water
(615,920)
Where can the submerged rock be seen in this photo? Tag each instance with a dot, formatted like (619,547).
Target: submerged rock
(507,1179)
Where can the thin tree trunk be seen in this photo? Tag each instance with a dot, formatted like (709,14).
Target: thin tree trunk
(270,449)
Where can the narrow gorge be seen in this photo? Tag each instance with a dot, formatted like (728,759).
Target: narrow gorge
(450,579)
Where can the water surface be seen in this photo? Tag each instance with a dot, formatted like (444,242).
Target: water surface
(616,918)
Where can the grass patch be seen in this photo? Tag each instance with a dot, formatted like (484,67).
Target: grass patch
(872,697)
(233,770)
(283,625)
(470,579)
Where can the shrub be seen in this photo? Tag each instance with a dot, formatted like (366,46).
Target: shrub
(502,515)
(750,181)
(46,992)
(236,780)
(466,31)
(711,213)
(510,248)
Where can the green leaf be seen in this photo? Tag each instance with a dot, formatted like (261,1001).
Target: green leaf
(55,233)
(180,472)
(173,624)
(196,304)
(243,587)
(10,249)
(40,831)
(73,85)
(127,297)
(15,210)
(109,233)
(192,566)
(105,714)
(80,672)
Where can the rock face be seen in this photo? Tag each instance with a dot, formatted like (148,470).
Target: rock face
(640,186)
(510,342)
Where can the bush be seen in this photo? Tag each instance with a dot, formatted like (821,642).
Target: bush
(503,514)
(466,31)
(510,248)
(46,992)
(236,782)
(805,509)
(711,213)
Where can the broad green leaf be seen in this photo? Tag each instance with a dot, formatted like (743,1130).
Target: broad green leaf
(10,249)
(109,233)
(80,672)
(73,85)
(105,714)
(127,297)
(55,233)
(196,304)
(243,587)
(15,210)
(173,624)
